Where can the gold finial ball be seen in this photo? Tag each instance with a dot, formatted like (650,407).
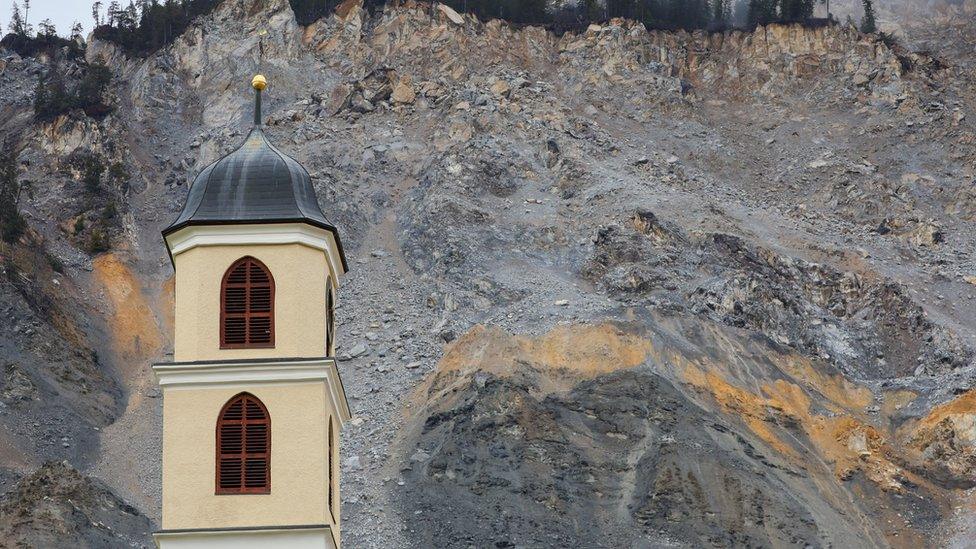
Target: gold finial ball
(259,82)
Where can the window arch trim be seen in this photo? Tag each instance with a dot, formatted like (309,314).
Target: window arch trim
(329,317)
(247,463)
(251,299)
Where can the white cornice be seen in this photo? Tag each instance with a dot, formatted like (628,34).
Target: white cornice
(193,236)
(221,374)
(317,537)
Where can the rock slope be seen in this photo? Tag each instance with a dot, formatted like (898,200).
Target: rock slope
(55,506)
(611,288)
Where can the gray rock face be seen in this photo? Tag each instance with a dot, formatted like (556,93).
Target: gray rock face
(735,270)
(56,506)
(600,466)
(53,386)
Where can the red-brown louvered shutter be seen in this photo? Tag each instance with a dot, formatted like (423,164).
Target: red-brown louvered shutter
(247,305)
(244,447)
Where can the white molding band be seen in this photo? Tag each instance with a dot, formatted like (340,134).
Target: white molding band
(258,538)
(193,236)
(177,375)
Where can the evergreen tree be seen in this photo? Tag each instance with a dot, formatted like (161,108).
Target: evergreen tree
(697,15)
(144,26)
(51,97)
(97,13)
(46,28)
(621,8)
(113,13)
(28,29)
(720,12)
(127,19)
(762,12)
(17,24)
(754,15)
(131,15)
(12,224)
(591,10)
(76,31)
(22,39)
(795,10)
(530,12)
(868,24)
(309,11)
(89,93)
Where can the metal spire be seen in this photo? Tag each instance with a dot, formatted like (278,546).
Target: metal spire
(258,83)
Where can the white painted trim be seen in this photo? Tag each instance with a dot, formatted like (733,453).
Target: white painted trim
(222,374)
(304,538)
(193,236)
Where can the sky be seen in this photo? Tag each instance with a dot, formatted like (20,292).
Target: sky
(63,13)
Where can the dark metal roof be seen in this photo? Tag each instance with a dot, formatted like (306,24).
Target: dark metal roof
(256,183)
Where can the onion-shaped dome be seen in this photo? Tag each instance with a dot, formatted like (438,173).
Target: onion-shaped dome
(254,184)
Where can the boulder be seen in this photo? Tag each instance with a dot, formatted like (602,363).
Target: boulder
(339,99)
(452,15)
(501,88)
(403,93)
(348,9)
(361,105)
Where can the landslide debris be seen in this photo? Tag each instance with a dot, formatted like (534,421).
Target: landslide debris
(769,232)
(56,506)
(867,325)
(676,437)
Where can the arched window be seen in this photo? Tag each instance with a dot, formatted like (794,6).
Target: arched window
(329,318)
(244,447)
(247,306)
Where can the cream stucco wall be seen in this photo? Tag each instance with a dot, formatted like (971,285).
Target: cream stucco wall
(300,273)
(300,414)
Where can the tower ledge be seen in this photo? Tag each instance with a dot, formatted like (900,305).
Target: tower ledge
(260,233)
(263,371)
(312,536)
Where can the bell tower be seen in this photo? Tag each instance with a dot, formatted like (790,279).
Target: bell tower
(252,401)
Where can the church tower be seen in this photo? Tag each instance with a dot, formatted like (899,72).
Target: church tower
(252,401)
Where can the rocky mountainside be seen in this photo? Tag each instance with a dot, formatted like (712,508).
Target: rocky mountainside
(55,506)
(615,288)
